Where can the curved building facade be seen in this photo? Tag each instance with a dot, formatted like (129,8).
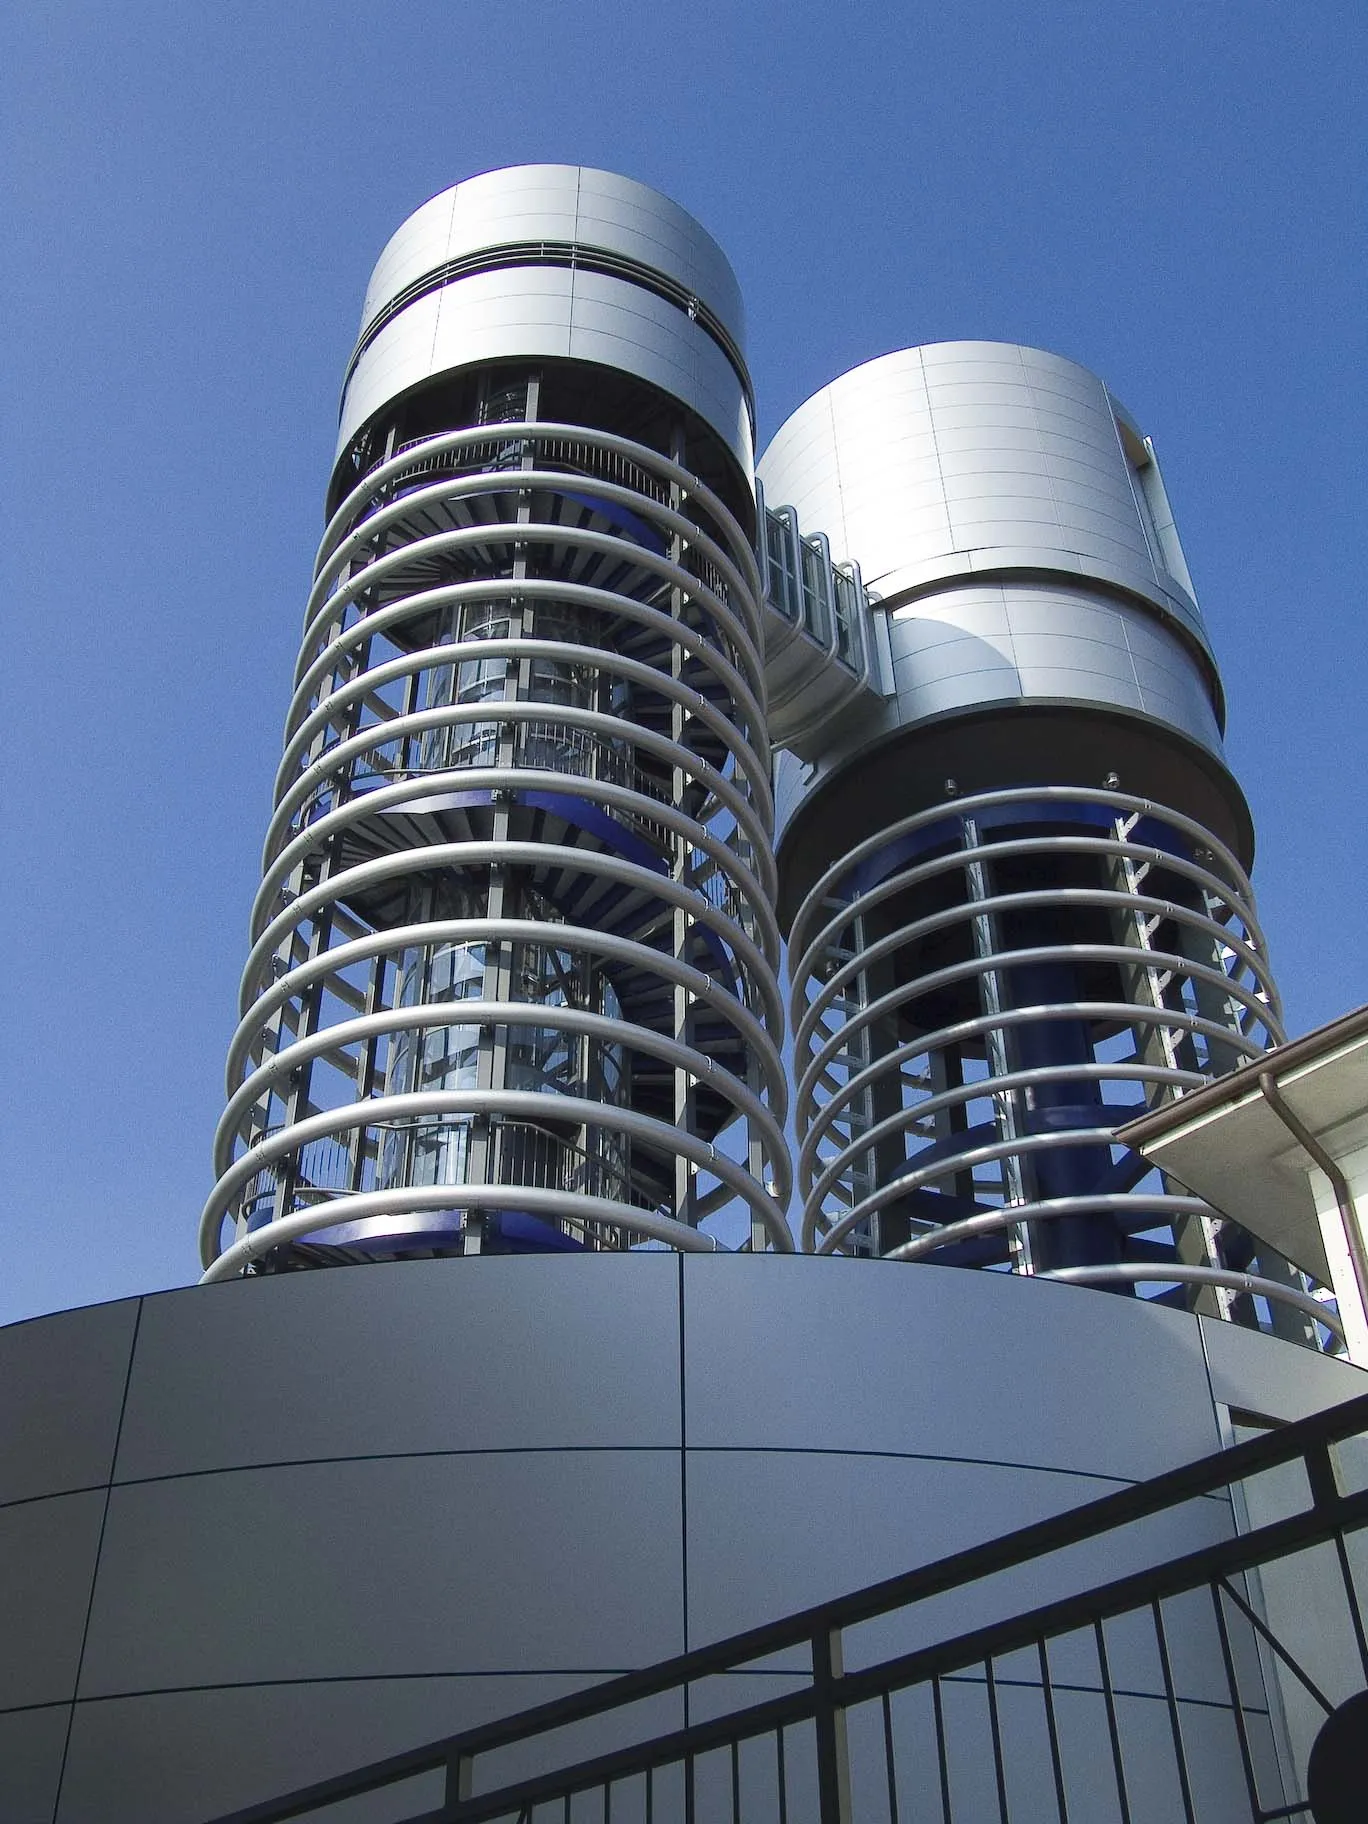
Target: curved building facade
(257,1534)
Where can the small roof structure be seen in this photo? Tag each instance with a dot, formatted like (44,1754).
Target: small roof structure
(1228,1144)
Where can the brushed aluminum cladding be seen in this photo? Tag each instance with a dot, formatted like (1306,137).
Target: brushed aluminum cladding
(987,494)
(532,311)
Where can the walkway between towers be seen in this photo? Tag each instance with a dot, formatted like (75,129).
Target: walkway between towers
(1037,1711)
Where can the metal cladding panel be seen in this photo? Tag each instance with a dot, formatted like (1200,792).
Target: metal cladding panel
(1025,641)
(518,312)
(448,1359)
(885,422)
(32,1743)
(47,1561)
(925,1395)
(1249,1371)
(529,312)
(1056,643)
(63,1379)
(961,689)
(934,464)
(558,203)
(388,1566)
(173,1748)
(836,1521)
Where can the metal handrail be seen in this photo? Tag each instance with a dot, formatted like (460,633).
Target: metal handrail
(555,1164)
(1329,1516)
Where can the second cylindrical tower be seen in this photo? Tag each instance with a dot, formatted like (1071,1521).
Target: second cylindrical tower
(1016,897)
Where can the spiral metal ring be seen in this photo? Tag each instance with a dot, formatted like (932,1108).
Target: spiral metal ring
(513,966)
(982,994)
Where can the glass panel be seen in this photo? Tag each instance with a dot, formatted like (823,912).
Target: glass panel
(784,588)
(848,644)
(816,589)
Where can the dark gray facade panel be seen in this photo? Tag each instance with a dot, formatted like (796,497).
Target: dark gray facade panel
(810,1386)
(63,1386)
(835,1522)
(386,1360)
(560,1560)
(47,1564)
(866,1361)
(31,1744)
(182,1756)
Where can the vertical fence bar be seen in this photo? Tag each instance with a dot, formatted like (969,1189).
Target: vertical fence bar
(833,1749)
(1175,1720)
(1351,1597)
(890,1765)
(941,1759)
(1052,1730)
(459,1778)
(995,1731)
(1237,1708)
(1113,1731)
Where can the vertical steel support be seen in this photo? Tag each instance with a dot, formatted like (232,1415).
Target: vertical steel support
(833,1748)
(994,1003)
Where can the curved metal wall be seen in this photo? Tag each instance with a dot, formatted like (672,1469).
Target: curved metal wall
(938,467)
(1013,519)
(253,1535)
(555,262)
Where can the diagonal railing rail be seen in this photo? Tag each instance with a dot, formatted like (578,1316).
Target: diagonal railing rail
(830,1741)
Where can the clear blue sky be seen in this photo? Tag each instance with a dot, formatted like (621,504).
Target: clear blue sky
(1171,194)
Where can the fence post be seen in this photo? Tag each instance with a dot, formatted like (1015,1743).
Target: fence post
(833,1751)
(459,1779)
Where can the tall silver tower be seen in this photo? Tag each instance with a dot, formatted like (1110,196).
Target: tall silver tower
(1015,889)
(513,959)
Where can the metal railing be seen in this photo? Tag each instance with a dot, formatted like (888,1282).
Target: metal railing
(840,1742)
(544,746)
(535,1156)
(521,1153)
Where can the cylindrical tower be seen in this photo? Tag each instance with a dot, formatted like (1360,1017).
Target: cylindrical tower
(512,975)
(1016,897)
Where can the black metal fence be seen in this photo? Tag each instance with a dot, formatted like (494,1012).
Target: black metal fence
(1080,1669)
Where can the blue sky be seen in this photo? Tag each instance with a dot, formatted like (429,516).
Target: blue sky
(1173,195)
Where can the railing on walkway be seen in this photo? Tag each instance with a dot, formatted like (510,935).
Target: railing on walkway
(994,1723)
